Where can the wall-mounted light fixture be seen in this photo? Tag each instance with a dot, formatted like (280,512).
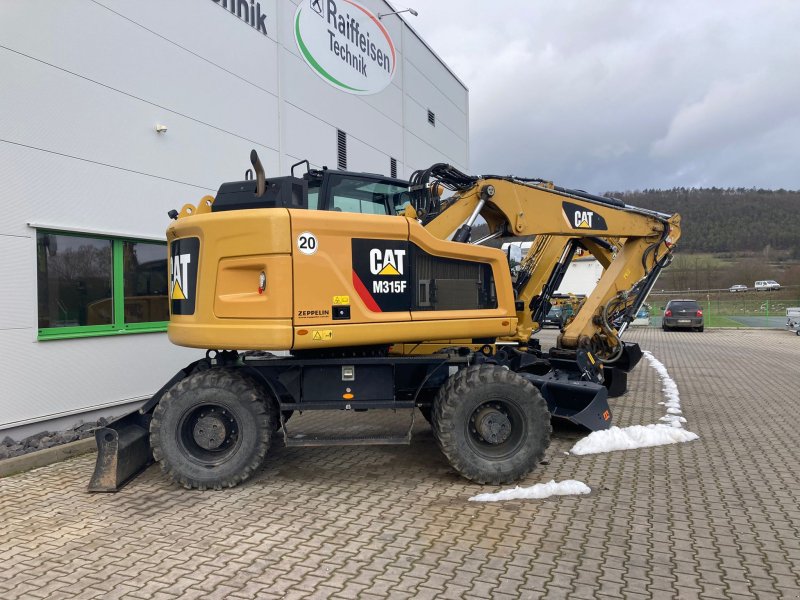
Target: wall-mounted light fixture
(161,128)
(397,12)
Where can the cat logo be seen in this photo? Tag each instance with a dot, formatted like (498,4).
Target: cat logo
(579,217)
(583,219)
(386,262)
(180,277)
(184,258)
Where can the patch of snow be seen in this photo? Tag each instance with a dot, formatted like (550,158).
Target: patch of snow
(536,492)
(629,438)
(669,431)
(673,419)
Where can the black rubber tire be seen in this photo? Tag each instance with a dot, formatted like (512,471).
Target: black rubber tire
(665,328)
(465,393)
(252,414)
(701,329)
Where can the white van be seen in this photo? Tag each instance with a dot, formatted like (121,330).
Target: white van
(766,285)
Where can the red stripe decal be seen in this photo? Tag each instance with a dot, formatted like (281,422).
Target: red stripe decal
(364,294)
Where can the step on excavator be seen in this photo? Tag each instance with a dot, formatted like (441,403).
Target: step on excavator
(375,295)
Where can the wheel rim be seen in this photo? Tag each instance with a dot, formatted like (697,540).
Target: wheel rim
(496,429)
(209,434)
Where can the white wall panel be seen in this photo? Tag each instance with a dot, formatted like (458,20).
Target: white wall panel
(439,137)
(417,53)
(305,127)
(420,155)
(431,97)
(128,138)
(46,379)
(45,188)
(18,274)
(363,158)
(211,32)
(95,43)
(357,118)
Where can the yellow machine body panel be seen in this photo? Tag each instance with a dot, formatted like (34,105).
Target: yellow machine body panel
(215,261)
(330,279)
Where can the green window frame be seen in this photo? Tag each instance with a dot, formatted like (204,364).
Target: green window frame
(118,324)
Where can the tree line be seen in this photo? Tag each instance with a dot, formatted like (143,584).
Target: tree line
(727,219)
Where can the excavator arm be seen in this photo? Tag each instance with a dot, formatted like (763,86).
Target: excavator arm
(633,245)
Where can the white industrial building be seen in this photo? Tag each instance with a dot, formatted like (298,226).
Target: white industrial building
(113,112)
(582,274)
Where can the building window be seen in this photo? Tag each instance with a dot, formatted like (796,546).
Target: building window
(393,167)
(431,117)
(341,149)
(91,285)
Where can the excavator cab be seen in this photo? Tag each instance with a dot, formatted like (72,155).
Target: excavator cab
(316,189)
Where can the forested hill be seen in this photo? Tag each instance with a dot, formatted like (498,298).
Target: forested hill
(728,220)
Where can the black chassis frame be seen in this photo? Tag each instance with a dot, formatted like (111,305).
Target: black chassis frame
(300,383)
(403,382)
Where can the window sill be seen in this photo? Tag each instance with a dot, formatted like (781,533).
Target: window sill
(46,335)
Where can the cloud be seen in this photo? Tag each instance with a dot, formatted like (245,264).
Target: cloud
(626,94)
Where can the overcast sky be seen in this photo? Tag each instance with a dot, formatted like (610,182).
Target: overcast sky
(627,94)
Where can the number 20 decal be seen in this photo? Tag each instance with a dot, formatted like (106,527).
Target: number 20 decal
(307,242)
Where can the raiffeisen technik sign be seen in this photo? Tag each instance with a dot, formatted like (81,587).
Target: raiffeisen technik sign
(345,44)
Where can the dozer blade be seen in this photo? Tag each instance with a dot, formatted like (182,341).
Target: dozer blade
(123,446)
(123,450)
(584,403)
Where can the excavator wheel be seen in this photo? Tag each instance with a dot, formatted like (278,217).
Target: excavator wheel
(213,429)
(491,424)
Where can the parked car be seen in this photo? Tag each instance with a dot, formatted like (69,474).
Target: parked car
(738,288)
(767,285)
(555,317)
(683,314)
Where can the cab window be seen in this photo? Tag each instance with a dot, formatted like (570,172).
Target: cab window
(313,195)
(358,195)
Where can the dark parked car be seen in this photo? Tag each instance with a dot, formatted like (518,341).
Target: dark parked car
(554,318)
(682,314)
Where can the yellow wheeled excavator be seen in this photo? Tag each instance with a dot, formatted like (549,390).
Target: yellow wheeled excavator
(379,298)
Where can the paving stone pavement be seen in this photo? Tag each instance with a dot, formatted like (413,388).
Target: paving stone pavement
(715,518)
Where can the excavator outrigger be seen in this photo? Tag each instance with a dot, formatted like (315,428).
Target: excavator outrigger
(393,308)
